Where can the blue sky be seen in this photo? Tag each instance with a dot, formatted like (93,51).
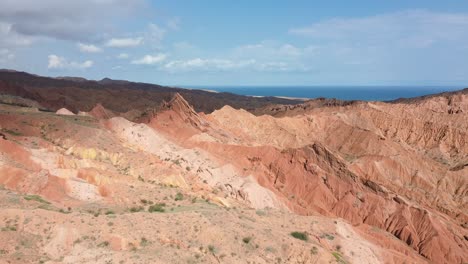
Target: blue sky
(239,42)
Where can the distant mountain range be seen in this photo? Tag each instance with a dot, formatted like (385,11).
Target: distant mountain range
(75,93)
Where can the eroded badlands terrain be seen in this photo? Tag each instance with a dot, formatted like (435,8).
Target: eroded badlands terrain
(324,181)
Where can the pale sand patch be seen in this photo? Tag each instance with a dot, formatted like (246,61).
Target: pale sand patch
(208,168)
(355,248)
(64,111)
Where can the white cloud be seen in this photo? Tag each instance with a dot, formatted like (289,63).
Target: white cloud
(124,42)
(57,62)
(150,60)
(289,50)
(154,34)
(66,20)
(267,50)
(86,64)
(174,23)
(123,56)
(206,64)
(387,48)
(6,55)
(406,28)
(9,38)
(199,64)
(88,48)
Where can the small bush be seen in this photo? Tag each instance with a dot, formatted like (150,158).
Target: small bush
(9,228)
(246,240)
(327,236)
(338,257)
(179,197)
(137,209)
(36,198)
(157,208)
(103,244)
(65,212)
(211,248)
(12,132)
(314,250)
(300,235)
(270,249)
(144,242)
(260,213)
(110,212)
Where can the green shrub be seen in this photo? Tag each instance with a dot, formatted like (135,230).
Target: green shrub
(211,248)
(12,132)
(63,211)
(327,236)
(270,249)
(144,242)
(260,213)
(137,209)
(179,197)
(246,240)
(110,212)
(159,207)
(103,244)
(314,250)
(338,257)
(9,228)
(300,235)
(36,198)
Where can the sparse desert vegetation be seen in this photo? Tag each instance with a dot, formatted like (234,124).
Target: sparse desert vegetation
(300,235)
(159,207)
(175,186)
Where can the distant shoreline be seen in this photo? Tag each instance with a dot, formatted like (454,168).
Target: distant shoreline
(261,96)
(294,98)
(283,97)
(349,93)
(211,91)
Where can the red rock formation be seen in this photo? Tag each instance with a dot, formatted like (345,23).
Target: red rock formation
(386,150)
(394,171)
(100,112)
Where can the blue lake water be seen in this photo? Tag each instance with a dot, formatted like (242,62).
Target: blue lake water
(366,93)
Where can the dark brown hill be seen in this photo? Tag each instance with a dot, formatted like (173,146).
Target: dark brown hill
(118,96)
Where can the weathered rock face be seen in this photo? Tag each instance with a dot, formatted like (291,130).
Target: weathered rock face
(321,182)
(180,107)
(100,112)
(391,166)
(388,180)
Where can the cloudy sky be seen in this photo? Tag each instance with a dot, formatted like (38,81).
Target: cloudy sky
(239,42)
